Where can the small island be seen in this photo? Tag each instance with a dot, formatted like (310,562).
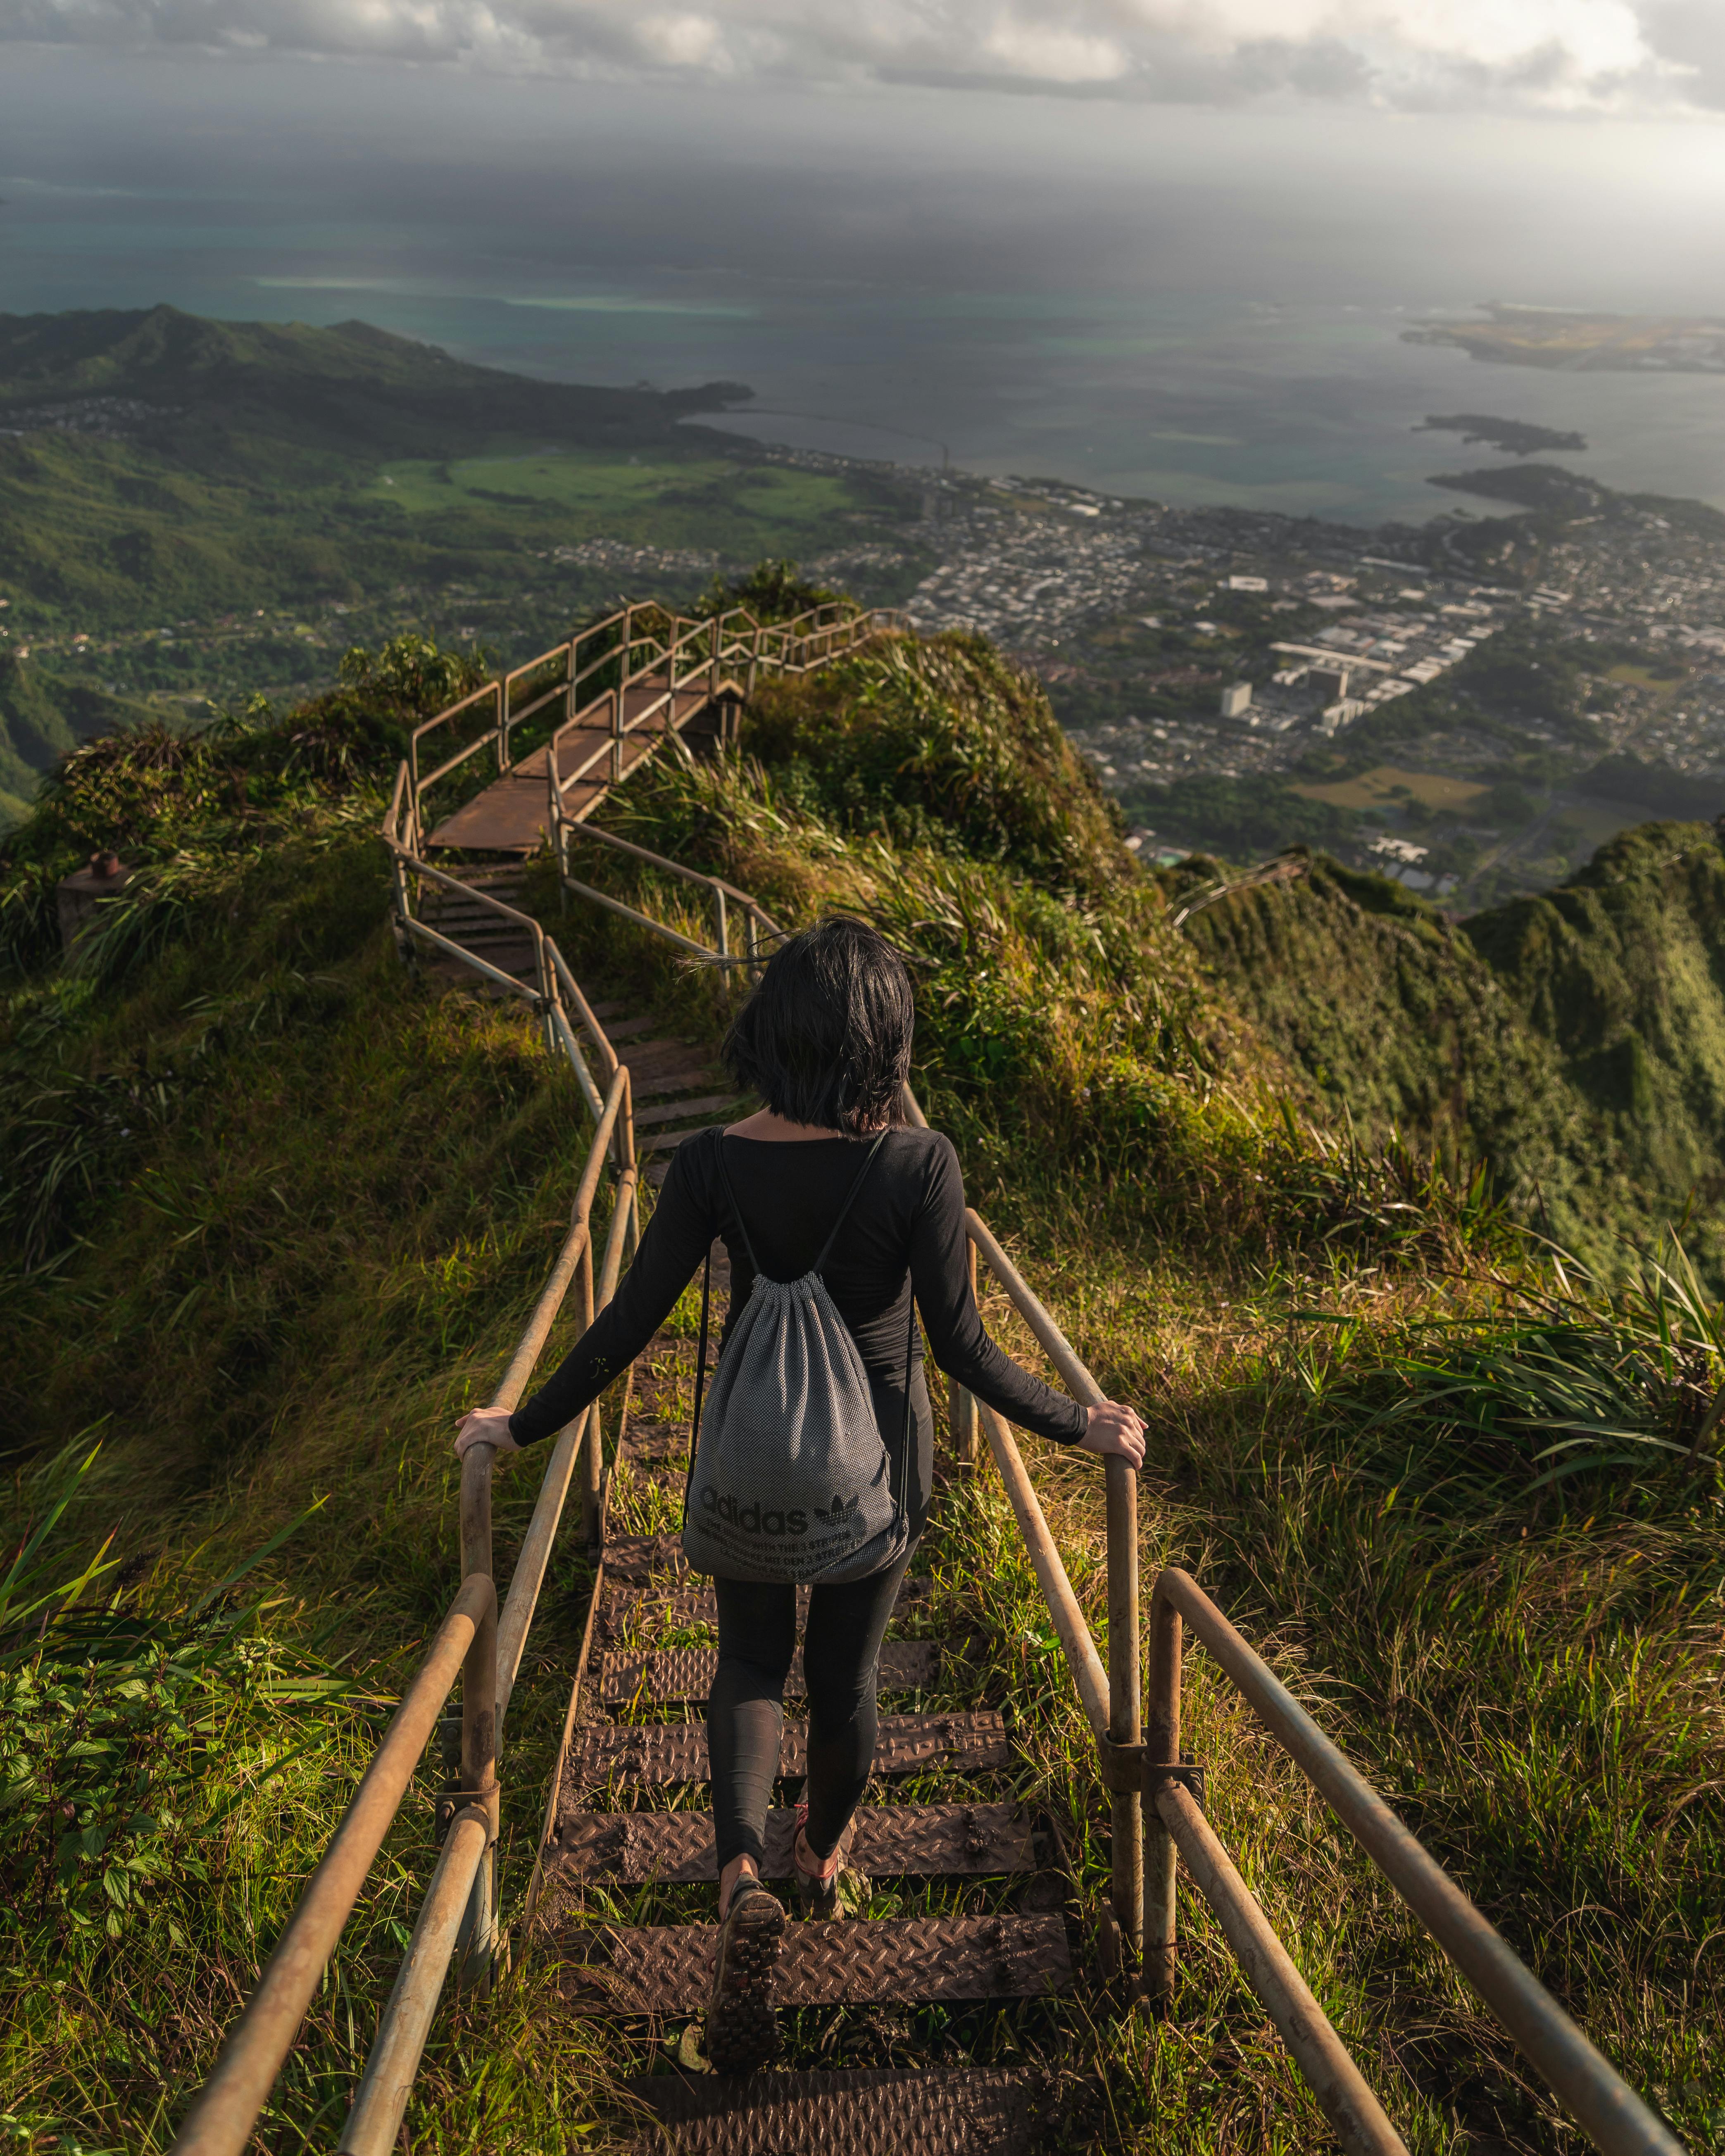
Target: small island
(1519,437)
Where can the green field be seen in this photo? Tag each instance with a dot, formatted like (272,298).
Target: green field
(658,498)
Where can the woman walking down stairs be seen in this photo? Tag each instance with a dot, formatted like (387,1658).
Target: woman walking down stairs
(798,1197)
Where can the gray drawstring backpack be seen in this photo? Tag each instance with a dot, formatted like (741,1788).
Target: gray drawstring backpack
(790,1479)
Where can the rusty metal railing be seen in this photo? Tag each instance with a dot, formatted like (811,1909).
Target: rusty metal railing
(1157,1788)
(484,1645)
(633,667)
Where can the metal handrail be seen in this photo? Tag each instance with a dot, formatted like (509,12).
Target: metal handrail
(457,1915)
(1614,2117)
(219,2123)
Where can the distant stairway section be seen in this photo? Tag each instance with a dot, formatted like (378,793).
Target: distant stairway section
(617,693)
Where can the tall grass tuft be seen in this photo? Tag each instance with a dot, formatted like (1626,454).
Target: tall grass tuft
(1556,1382)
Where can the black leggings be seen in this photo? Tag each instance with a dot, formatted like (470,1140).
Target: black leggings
(745,1712)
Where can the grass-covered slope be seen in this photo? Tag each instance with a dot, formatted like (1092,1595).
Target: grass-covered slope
(41,719)
(1574,1040)
(278,1208)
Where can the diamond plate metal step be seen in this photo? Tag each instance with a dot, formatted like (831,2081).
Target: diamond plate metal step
(951,2111)
(644,1560)
(669,1969)
(662,1752)
(688,1672)
(901,1842)
(669,1600)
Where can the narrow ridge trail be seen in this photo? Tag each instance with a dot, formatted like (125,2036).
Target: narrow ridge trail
(629,1823)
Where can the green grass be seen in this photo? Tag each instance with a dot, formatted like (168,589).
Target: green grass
(662,499)
(287,1279)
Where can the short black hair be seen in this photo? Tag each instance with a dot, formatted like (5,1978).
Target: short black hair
(824,1036)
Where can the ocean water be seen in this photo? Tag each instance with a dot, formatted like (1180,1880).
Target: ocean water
(1218,348)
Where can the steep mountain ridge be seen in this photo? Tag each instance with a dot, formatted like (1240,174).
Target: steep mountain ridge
(1573,1039)
(274,1207)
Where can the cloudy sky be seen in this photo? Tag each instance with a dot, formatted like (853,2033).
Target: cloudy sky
(1629,58)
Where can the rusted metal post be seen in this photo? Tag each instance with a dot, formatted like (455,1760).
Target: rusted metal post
(1161,1747)
(479,1716)
(375,2120)
(626,1121)
(1123,1725)
(962,1404)
(220,2122)
(1341,2089)
(593,1453)
(592,1483)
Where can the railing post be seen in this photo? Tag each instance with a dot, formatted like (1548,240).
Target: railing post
(1161,1748)
(502,696)
(478,1720)
(547,991)
(1128,1836)
(754,659)
(724,926)
(963,1405)
(593,1457)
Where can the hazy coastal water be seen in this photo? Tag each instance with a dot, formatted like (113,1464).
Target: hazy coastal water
(1212,346)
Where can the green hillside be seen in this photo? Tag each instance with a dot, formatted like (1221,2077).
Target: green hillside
(274,1209)
(154,465)
(196,510)
(41,718)
(1574,1040)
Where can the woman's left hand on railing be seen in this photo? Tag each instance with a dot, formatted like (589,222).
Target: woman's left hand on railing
(485,1426)
(1117,1429)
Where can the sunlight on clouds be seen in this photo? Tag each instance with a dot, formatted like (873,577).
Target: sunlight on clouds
(1047,54)
(1578,55)
(684,41)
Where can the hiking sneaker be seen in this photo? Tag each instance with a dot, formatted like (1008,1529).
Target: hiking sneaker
(742,2027)
(832,1888)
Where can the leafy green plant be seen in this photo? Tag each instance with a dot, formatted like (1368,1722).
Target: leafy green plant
(111,1709)
(186,807)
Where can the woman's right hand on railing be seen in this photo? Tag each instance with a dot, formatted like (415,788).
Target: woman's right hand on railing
(1114,1429)
(485,1426)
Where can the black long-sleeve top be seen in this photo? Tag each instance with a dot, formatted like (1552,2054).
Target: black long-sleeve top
(905,1234)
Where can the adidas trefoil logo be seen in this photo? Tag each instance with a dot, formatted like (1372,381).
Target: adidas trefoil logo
(843,1511)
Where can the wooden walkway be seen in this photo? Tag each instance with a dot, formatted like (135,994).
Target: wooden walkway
(511,815)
